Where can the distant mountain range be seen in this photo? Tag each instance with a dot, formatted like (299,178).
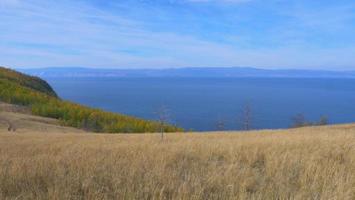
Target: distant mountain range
(68,72)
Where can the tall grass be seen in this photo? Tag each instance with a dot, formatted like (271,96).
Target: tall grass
(307,163)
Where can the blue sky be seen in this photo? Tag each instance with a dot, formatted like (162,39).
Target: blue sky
(301,34)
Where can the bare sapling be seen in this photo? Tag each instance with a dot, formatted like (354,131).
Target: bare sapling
(246,117)
(163,117)
(220,125)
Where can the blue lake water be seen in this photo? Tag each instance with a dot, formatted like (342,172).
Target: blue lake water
(199,103)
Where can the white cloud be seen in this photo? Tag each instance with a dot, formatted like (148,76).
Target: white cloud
(66,33)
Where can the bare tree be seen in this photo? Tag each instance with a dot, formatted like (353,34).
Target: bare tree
(163,117)
(246,117)
(298,121)
(323,121)
(220,125)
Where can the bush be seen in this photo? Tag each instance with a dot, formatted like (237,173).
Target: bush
(300,121)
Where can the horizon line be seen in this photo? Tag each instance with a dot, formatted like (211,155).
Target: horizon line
(177,68)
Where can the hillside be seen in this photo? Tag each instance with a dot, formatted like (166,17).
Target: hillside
(306,163)
(21,121)
(36,95)
(31,82)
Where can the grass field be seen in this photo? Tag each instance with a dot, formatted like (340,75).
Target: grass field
(306,163)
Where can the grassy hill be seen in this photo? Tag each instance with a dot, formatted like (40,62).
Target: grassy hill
(36,94)
(31,82)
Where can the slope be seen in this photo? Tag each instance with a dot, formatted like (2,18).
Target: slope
(37,95)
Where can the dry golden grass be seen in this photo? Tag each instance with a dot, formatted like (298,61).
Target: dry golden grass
(24,123)
(307,163)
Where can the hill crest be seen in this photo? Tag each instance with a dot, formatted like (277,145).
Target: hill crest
(28,81)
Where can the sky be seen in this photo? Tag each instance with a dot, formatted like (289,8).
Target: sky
(270,34)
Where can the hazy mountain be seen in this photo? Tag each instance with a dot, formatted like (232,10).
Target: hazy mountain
(186,72)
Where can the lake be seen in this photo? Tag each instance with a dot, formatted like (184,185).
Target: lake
(200,103)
